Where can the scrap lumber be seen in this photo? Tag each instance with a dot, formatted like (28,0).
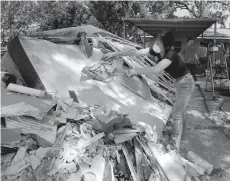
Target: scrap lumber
(130,164)
(192,169)
(20,109)
(93,140)
(129,130)
(38,103)
(108,171)
(30,126)
(20,155)
(169,163)
(172,166)
(25,90)
(120,138)
(16,168)
(10,135)
(153,160)
(51,154)
(139,158)
(196,159)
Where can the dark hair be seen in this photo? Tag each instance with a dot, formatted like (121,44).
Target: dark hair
(168,40)
(202,43)
(190,38)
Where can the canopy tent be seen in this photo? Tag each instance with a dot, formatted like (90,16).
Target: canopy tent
(182,28)
(221,34)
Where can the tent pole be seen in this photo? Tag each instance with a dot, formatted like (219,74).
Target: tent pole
(215,33)
(214,54)
(144,39)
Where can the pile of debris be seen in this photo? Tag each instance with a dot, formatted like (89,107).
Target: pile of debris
(73,141)
(46,136)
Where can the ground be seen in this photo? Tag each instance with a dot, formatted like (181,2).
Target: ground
(202,137)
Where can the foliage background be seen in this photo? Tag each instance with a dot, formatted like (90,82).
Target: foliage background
(31,17)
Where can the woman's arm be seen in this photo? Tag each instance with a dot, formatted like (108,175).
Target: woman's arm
(163,64)
(130,52)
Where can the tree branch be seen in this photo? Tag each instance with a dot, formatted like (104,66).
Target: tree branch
(183,5)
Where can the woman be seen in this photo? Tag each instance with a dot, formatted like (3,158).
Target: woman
(173,64)
(203,60)
(189,54)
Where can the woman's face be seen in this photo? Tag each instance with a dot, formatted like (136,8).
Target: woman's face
(159,45)
(190,42)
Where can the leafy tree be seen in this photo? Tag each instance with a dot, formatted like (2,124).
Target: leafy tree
(206,9)
(62,14)
(16,17)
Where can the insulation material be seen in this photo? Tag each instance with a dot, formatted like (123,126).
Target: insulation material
(55,68)
(117,97)
(136,85)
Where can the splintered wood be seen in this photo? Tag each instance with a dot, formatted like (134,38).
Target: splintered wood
(130,164)
(139,159)
(20,109)
(29,126)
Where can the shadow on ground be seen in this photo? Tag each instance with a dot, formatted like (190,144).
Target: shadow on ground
(201,137)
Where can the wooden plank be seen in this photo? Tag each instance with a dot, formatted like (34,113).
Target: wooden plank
(153,160)
(139,158)
(31,126)
(196,159)
(130,164)
(40,104)
(129,130)
(20,109)
(170,164)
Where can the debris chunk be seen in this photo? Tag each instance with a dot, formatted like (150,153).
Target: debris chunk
(192,169)
(130,164)
(35,161)
(41,152)
(25,90)
(29,126)
(10,135)
(20,109)
(120,138)
(196,159)
(20,155)
(16,168)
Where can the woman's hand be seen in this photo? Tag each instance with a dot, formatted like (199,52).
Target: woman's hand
(107,56)
(130,72)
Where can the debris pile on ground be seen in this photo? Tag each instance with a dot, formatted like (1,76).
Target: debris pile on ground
(47,138)
(75,141)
